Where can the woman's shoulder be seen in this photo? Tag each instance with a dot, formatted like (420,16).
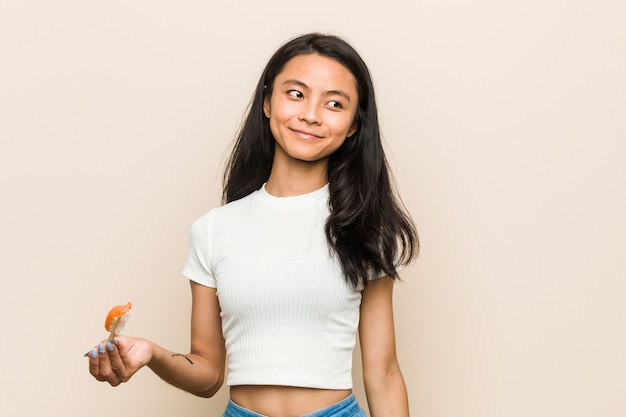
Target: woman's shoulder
(229,210)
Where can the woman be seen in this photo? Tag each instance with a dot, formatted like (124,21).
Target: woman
(304,251)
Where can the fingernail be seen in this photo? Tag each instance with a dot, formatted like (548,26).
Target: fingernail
(114,342)
(94,353)
(110,347)
(101,348)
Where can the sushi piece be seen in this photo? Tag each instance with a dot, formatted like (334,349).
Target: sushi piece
(116,320)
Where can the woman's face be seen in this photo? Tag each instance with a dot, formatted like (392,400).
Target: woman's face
(312,108)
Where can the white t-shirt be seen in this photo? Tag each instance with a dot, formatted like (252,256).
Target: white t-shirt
(288,315)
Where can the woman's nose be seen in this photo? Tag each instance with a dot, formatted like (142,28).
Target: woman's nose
(310,113)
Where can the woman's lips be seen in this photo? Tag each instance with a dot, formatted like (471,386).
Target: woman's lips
(306,135)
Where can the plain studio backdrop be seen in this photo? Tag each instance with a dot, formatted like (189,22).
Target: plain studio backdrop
(504,123)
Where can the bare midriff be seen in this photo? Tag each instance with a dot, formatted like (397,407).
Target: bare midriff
(282,401)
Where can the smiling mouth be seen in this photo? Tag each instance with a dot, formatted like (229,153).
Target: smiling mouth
(306,135)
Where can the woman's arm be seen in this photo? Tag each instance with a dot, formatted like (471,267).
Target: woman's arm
(384,384)
(201,372)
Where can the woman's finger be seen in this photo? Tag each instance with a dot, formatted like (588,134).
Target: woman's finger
(94,364)
(106,372)
(117,364)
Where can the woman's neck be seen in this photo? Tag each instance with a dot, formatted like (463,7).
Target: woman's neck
(287,180)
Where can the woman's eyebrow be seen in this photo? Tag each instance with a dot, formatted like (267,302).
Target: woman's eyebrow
(296,82)
(326,93)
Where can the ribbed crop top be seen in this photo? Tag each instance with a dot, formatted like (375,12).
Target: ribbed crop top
(288,315)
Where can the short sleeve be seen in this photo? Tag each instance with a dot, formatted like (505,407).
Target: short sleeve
(198,265)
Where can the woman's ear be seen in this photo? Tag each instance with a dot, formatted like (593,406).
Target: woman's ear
(266,106)
(353,130)
(266,102)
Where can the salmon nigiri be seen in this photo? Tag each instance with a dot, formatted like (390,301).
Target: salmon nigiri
(116,320)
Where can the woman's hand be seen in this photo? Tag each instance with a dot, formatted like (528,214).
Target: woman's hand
(117,361)
(200,372)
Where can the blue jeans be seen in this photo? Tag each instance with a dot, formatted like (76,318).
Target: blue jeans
(348,407)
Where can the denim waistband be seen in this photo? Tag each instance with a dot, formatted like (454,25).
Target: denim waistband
(348,407)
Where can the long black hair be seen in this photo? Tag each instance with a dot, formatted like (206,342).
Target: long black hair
(368,228)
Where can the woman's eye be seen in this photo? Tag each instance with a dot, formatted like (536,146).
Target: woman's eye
(335,105)
(295,93)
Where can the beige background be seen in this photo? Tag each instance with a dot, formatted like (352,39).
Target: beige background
(504,122)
